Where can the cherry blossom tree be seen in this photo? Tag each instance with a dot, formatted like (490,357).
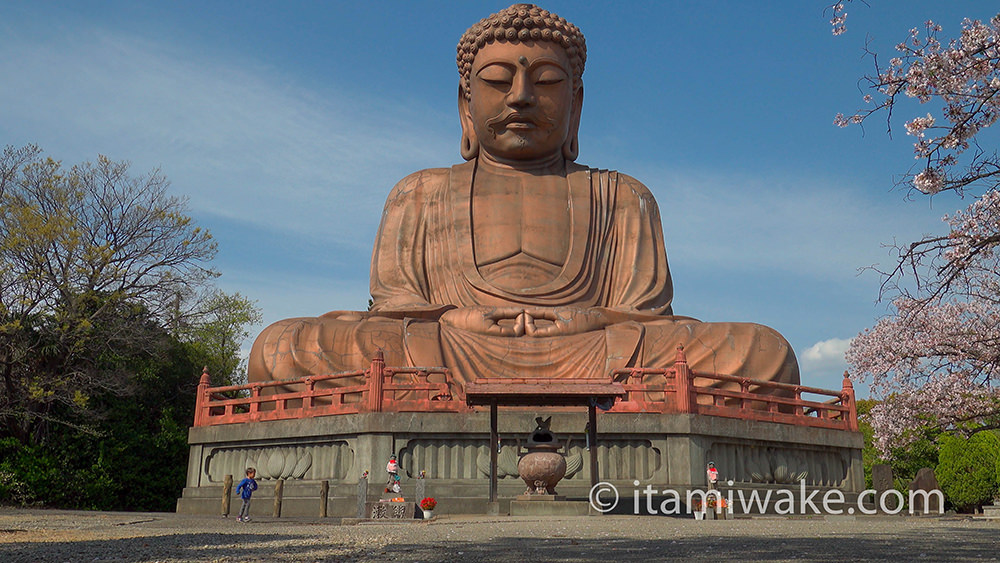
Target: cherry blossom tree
(935,360)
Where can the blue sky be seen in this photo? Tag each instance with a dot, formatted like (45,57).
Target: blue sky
(286,124)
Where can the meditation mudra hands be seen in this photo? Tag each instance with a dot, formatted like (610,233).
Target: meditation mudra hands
(534,322)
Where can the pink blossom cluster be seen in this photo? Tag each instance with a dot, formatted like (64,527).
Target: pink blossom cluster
(936,360)
(974,235)
(839,19)
(963,74)
(931,365)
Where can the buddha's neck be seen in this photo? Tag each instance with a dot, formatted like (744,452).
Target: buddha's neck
(553,164)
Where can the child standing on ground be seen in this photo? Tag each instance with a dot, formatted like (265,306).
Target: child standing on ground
(245,489)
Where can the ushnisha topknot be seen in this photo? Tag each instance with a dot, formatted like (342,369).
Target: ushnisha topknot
(522,22)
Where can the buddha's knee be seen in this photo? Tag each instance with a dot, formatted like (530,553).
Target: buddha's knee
(286,349)
(774,354)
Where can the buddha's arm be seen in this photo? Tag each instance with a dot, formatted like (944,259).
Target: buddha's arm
(398,275)
(638,278)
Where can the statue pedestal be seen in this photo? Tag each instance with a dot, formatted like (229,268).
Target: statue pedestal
(548,505)
(536,498)
(661,450)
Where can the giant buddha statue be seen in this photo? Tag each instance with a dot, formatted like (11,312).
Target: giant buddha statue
(519,262)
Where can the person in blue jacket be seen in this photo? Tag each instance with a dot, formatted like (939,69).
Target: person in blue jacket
(245,489)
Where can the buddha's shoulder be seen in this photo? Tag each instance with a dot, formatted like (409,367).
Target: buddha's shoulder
(627,186)
(428,178)
(419,185)
(633,186)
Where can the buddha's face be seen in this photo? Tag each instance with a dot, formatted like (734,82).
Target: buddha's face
(522,100)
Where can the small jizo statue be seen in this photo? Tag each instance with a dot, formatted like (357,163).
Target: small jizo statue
(392,468)
(713,475)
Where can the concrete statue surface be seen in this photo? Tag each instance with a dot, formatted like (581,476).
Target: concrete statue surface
(519,262)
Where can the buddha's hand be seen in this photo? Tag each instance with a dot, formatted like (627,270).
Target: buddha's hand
(499,321)
(563,321)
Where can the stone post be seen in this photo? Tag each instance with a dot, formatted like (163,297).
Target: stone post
(227,491)
(882,481)
(324,493)
(421,489)
(362,497)
(929,499)
(278,491)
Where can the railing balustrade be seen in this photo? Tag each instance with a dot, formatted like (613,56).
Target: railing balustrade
(379,388)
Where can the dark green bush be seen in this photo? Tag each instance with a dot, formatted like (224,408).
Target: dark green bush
(967,469)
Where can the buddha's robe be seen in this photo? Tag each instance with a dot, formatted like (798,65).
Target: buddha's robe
(424,270)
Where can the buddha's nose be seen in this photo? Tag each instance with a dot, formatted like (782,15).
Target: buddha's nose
(521,93)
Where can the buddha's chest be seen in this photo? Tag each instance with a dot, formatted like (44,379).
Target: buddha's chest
(521,229)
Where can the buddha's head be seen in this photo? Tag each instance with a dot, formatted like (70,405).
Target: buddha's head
(521,89)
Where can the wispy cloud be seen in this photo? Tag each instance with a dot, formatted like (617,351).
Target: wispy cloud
(827,350)
(824,362)
(242,139)
(812,226)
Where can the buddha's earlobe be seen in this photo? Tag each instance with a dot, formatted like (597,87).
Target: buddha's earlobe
(470,144)
(571,148)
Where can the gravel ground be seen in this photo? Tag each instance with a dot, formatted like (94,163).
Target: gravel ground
(57,536)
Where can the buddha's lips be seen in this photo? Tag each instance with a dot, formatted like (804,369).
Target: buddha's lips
(516,119)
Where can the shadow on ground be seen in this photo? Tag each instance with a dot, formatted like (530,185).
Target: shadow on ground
(954,545)
(944,544)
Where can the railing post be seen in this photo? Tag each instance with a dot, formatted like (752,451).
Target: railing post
(847,400)
(376,381)
(798,402)
(201,402)
(255,402)
(683,381)
(744,389)
(307,401)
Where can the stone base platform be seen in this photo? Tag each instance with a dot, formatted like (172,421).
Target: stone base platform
(664,451)
(549,505)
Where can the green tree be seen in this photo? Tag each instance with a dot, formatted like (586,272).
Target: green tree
(216,334)
(967,469)
(107,314)
(91,259)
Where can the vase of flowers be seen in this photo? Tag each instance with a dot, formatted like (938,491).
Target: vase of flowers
(711,508)
(427,507)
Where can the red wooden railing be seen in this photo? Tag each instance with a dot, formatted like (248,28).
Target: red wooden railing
(680,390)
(410,389)
(376,389)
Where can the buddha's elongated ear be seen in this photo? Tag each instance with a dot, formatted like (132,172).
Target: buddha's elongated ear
(470,144)
(571,148)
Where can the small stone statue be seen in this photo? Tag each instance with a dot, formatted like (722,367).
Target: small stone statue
(392,468)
